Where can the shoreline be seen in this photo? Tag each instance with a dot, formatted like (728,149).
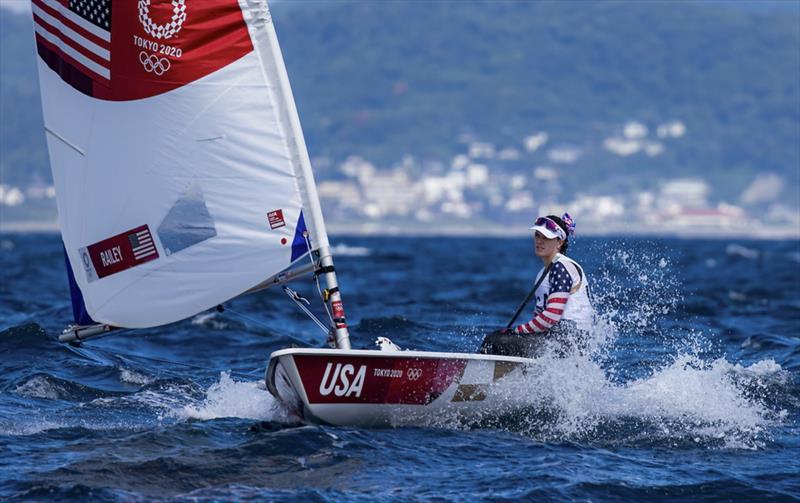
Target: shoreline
(389,230)
(636,231)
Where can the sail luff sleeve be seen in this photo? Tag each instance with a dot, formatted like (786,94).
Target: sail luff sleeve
(265,42)
(308,186)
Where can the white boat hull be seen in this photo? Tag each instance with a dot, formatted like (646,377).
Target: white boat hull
(388,388)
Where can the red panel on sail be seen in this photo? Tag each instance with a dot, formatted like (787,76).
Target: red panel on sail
(133,50)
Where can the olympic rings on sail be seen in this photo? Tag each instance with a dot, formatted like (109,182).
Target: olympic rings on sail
(154,64)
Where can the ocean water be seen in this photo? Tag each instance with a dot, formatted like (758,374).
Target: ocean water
(691,391)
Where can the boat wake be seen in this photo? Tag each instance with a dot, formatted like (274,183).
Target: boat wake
(231,398)
(642,382)
(687,401)
(157,402)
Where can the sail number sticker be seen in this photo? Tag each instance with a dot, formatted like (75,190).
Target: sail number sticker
(338,314)
(276,219)
(118,253)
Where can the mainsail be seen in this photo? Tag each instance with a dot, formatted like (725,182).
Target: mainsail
(181,172)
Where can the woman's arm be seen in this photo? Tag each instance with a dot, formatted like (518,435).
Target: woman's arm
(560,287)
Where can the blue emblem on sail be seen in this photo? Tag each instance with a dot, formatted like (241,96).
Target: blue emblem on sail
(79,312)
(299,246)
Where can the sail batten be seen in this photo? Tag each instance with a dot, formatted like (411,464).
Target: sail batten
(181,173)
(65,141)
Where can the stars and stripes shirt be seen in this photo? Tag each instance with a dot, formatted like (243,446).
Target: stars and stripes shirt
(551,299)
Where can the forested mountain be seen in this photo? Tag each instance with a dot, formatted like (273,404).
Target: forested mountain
(384,79)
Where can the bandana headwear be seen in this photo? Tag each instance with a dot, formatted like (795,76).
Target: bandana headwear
(570,222)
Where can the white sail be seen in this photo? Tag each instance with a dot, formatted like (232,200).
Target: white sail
(181,173)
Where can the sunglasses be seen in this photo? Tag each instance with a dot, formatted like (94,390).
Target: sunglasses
(550,226)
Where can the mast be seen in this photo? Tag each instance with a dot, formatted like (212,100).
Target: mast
(305,177)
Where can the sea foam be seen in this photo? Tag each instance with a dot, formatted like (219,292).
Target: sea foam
(231,398)
(680,395)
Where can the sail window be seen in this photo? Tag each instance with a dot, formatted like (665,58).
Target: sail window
(187,223)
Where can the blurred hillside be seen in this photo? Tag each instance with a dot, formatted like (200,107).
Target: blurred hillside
(382,80)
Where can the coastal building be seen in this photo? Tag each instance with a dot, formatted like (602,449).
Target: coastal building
(622,147)
(11,196)
(534,141)
(672,129)
(481,150)
(634,130)
(681,193)
(724,216)
(565,154)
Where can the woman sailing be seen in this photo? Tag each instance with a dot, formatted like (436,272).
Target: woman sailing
(563,314)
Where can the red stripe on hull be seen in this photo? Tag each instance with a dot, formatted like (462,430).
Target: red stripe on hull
(391,380)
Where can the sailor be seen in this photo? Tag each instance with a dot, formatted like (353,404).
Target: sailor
(563,314)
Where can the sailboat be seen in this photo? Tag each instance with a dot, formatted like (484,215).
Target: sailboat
(183,181)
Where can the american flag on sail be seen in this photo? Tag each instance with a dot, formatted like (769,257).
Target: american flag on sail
(118,253)
(142,244)
(74,38)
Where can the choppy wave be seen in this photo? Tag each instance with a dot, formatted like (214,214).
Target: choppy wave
(41,386)
(736,250)
(210,320)
(687,398)
(133,377)
(714,403)
(231,398)
(689,401)
(343,250)
(53,388)
(691,397)
(30,426)
(693,361)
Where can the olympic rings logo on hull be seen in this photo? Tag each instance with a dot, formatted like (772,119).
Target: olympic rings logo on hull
(414,374)
(154,64)
(167,30)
